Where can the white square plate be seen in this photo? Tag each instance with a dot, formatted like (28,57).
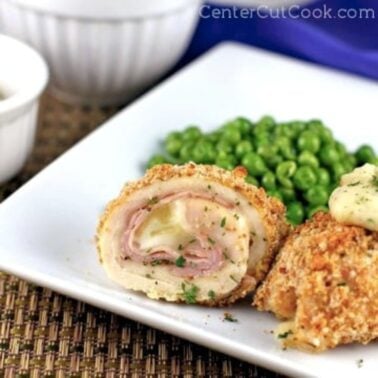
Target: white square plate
(47,227)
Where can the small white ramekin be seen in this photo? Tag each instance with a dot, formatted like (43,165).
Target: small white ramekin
(101,51)
(23,77)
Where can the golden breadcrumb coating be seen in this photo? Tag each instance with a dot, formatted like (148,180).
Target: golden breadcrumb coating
(325,280)
(271,211)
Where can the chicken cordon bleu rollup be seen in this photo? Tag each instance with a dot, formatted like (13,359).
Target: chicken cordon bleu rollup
(191,233)
(324,284)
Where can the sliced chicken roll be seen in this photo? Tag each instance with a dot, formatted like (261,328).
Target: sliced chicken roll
(191,233)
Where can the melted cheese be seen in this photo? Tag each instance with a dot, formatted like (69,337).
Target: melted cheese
(355,202)
(175,224)
(164,227)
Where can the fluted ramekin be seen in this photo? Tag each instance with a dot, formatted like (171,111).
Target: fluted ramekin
(23,77)
(101,51)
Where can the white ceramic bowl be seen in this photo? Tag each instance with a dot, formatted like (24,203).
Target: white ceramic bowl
(103,51)
(23,77)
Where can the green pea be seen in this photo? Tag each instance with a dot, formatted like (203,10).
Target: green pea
(315,125)
(232,135)
(173,144)
(341,149)
(227,162)
(173,135)
(309,141)
(268,181)
(279,130)
(315,209)
(267,151)
(156,160)
(275,193)
(191,133)
(214,137)
(308,158)
(273,161)
(288,194)
(328,155)
(289,153)
(285,171)
(262,139)
(203,152)
(317,195)
(283,141)
(323,132)
(352,161)
(223,155)
(297,127)
(254,164)
(265,124)
(286,148)
(186,152)
(365,154)
(295,213)
(348,167)
(243,148)
(252,180)
(287,129)
(338,169)
(326,136)
(224,146)
(323,177)
(304,178)
(243,124)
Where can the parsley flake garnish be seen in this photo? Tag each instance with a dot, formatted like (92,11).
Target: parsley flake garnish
(354,183)
(223,222)
(153,201)
(189,294)
(156,262)
(229,317)
(180,262)
(211,241)
(211,294)
(374,180)
(285,334)
(233,278)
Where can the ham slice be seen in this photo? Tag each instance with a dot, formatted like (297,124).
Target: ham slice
(202,256)
(196,227)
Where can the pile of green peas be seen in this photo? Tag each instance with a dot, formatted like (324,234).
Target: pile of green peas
(298,162)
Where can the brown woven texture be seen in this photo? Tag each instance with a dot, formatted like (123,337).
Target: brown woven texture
(44,334)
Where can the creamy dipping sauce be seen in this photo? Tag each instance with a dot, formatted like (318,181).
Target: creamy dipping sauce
(355,201)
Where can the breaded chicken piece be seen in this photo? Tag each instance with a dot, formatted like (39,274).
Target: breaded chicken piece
(325,283)
(191,233)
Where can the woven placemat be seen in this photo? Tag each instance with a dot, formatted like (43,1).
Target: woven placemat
(44,334)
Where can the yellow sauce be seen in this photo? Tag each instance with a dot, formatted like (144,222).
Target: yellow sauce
(355,201)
